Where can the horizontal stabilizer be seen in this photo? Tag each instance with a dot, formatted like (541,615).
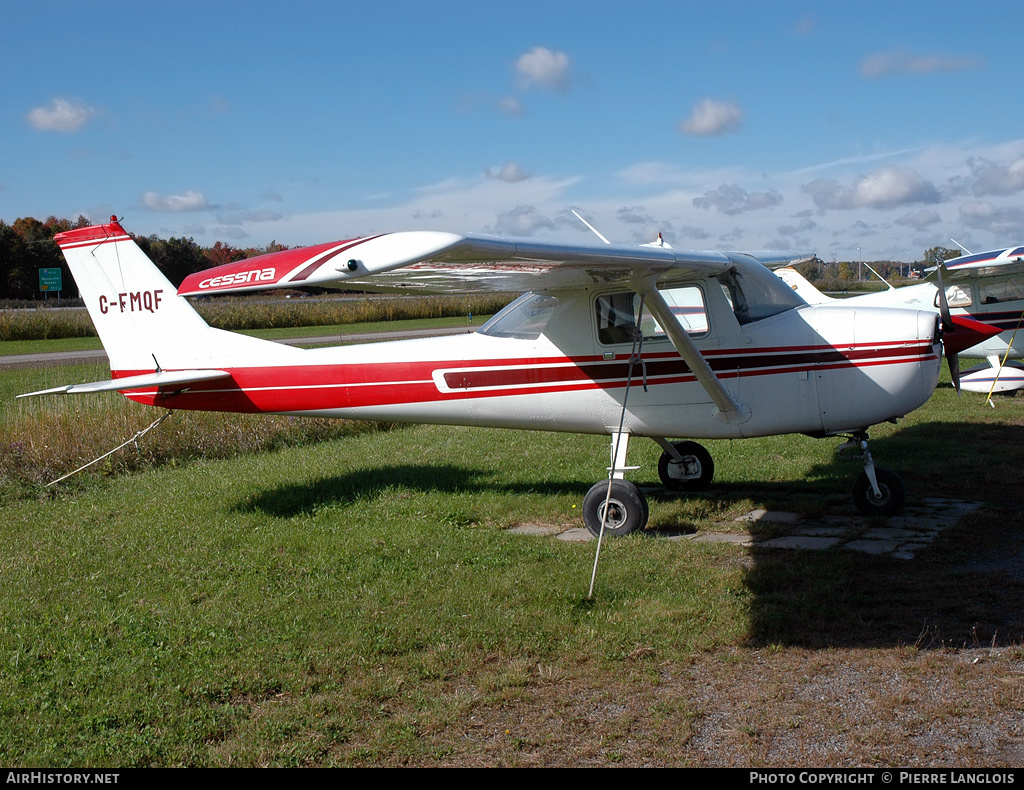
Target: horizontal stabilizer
(163,378)
(986,378)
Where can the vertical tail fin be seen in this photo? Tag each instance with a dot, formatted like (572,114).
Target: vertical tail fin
(802,286)
(142,322)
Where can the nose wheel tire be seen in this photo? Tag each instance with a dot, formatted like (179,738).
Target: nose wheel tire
(692,473)
(892,493)
(627,508)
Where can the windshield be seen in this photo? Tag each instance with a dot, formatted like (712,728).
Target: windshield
(756,293)
(525,318)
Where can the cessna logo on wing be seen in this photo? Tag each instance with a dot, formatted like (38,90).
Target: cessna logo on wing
(239,278)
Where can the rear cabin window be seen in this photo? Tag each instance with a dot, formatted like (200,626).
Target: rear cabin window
(1002,291)
(617,315)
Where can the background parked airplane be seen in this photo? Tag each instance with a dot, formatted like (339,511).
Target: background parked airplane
(987,286)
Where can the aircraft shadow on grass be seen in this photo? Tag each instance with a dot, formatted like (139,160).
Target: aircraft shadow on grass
(964,590)
(369,484)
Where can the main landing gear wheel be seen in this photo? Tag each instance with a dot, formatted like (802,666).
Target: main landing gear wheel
(691,473)
(892,493)
(627,508)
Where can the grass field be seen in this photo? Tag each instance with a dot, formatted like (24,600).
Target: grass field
(357,598)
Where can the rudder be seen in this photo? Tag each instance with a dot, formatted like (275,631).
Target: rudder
(142,322)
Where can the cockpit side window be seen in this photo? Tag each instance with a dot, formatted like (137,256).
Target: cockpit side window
(616,318)
(616,315)
(956,296)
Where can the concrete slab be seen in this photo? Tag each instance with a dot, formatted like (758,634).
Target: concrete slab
(542,530)
(800,542)
(900,536)
(822,532)
(885,533)
(873,546)
(774,516)
(721,537)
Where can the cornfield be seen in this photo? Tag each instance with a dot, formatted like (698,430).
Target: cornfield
(237,313)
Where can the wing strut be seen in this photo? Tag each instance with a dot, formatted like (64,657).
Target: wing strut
(729,410)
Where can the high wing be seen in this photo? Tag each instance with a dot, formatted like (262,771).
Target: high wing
(1006,262)
(431,261)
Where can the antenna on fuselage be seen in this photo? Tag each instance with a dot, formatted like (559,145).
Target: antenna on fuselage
(880,277)
(961,246)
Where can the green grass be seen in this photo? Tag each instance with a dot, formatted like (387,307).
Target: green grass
(361,601)
(258,605)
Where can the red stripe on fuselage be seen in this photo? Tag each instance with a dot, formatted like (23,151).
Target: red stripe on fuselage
(321,387)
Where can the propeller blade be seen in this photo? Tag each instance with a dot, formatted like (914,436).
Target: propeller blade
(953,360)
(947,321)
(959,332)
(948,327)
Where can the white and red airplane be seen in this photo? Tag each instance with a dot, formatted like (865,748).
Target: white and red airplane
(621,341)
(986,286)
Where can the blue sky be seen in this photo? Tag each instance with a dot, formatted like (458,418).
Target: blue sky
(850,129)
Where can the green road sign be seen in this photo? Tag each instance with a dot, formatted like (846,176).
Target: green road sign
(49,280)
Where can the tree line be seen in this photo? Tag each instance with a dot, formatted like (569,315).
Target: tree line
(27,245)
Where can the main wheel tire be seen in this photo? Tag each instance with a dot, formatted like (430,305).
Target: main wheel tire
(627,508)
(692,473)
(890,486)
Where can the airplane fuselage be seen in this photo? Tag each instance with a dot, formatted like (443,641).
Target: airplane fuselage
(609,340)
(550,363)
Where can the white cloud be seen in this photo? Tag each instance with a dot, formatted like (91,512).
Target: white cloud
(184,201)
(509,172)
(648,173)
(634,215)
(997,179)
(804,27)
(61,115)
(544,68)
(885,64)
(511,106)
(1004,221)
(733,199)
(247,216)
(887,187)
(523,220)
(712,117)
(805,225)
(919,220)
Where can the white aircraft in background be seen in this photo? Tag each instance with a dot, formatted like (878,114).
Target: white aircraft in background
(621,341)
(986,286)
